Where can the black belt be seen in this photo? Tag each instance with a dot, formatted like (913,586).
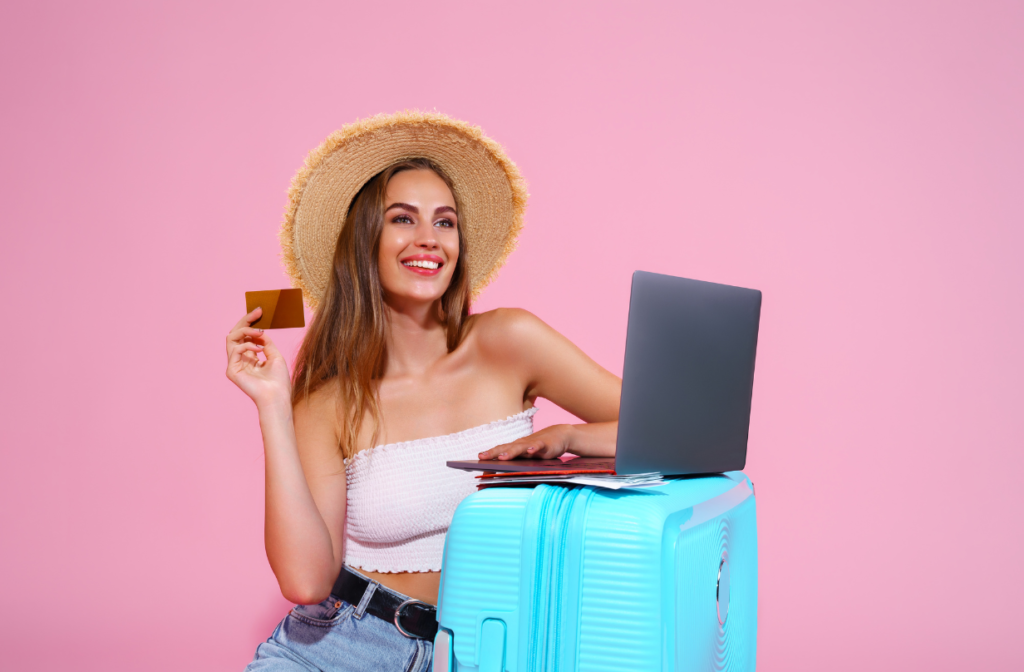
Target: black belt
(413,618)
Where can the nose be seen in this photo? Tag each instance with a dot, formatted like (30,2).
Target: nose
(426,236)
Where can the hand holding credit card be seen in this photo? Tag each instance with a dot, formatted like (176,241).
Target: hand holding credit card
(282,308)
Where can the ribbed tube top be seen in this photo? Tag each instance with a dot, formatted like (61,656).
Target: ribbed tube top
(401,496)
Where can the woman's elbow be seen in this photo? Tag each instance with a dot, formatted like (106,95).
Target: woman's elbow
(304,579)
(305,593)
(305,587)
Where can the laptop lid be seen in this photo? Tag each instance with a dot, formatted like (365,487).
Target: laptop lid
(688,376)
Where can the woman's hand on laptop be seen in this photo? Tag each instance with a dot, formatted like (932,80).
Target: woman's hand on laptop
(546,444)
(595,439)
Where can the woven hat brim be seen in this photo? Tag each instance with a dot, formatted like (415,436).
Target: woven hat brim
(488,187)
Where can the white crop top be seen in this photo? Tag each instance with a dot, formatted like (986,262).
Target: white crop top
(402,496)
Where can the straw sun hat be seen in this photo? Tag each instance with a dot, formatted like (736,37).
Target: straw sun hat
(488,188)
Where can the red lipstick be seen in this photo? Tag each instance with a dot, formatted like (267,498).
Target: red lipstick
(423,264)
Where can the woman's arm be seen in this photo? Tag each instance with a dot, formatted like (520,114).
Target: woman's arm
(305,474)
(553,368)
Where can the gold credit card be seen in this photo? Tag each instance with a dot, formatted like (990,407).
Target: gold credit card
(282,308)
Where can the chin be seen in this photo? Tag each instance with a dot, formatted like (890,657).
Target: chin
(420,294)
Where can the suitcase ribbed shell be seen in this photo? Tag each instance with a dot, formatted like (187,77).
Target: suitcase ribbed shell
(556,578)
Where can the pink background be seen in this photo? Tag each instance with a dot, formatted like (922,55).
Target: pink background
(861,163)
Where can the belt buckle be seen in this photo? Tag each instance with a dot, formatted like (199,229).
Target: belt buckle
(398,617)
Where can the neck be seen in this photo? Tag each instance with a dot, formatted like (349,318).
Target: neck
(416,339)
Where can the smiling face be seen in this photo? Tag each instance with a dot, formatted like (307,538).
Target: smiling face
(419,243)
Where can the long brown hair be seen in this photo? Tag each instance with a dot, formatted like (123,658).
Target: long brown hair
(347,339)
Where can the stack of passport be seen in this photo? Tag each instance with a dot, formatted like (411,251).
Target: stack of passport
(606,479)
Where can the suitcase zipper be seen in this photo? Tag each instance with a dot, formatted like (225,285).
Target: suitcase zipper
(556,519)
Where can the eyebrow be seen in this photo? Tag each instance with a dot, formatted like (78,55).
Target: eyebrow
(414,209)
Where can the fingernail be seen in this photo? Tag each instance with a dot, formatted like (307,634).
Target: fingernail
(531,449)
(503,455)
(261,331)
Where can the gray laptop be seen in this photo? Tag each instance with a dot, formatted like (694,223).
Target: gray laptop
(687,382)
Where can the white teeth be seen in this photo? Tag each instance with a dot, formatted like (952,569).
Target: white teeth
(422,264)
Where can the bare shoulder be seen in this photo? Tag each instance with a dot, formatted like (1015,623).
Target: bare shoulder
(321,401)
(509,330)
(316,419)
(548,364)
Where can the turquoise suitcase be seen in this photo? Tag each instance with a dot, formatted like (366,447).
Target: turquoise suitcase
(580,579)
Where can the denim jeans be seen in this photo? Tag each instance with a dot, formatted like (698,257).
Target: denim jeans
(335,635)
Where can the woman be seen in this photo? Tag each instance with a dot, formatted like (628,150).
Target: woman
(394,378)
